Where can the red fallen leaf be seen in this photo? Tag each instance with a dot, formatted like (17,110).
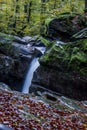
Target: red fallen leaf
(51,118)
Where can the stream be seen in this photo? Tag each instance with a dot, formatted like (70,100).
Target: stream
(33,66)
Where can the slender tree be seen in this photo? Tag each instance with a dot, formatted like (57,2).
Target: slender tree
(42,16)
(16,11)
(55,4)
(29,11)
(17,7)
(25,7)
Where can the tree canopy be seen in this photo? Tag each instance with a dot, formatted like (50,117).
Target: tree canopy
(27,17)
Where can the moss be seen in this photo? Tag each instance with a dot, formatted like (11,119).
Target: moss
(7,49)
(68,56)
(7,37)
(84,71)
(6,44)
(46,42)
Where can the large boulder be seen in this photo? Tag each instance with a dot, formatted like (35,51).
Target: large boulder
(66,25)
(64,69)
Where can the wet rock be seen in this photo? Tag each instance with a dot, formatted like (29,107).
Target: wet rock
(19,40)
(27,39)
(6,63)
(15,58)
(37,89)
(4,86)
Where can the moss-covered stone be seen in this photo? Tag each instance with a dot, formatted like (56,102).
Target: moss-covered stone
(68,56)
(6,44)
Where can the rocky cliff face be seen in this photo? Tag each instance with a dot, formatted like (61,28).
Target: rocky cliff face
(70,85)
(63,67)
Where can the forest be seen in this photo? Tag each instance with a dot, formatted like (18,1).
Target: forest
(43,64)
(27,17)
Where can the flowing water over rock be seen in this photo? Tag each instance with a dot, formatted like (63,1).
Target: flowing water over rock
(33,66)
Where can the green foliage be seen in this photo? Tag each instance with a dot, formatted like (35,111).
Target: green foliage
(47,21)
(5,36)
(77,58)
(14,14)
(46,42)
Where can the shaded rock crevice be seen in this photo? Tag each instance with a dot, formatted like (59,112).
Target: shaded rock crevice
(60,82)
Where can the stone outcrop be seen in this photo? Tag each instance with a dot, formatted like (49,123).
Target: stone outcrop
(65,26)
(15,56)
(63,69)
(71,86)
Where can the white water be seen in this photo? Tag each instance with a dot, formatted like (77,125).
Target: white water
(42,49)
(33,66)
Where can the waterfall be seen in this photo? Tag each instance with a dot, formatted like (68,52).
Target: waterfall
(33,66)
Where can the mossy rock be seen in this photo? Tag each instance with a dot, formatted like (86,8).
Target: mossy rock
(5,38)
(68,57)
(66,25)
(6,46)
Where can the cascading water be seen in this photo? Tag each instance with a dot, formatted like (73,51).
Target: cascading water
(33,66)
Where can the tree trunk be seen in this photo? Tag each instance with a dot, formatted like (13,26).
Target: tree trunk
(85,4)
(17,7)
(54,4)
(42,16)
(16,11)
(25,8)
(29,11)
